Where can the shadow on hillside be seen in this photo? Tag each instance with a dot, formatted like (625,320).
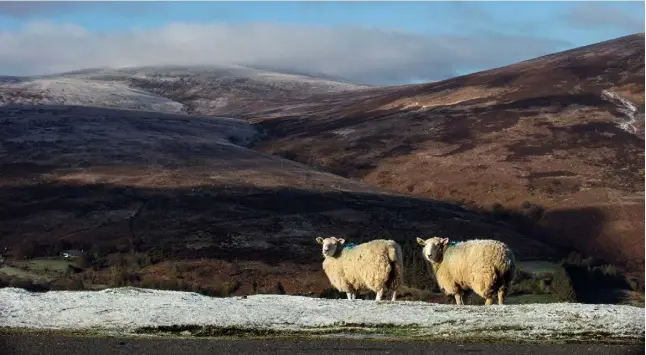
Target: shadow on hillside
(587,228)
(241,222)
(587,222)
(246,223)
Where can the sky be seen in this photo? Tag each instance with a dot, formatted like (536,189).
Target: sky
(377,43)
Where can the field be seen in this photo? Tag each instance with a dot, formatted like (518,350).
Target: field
(36,269)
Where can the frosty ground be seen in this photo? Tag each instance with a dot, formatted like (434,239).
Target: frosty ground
(143,311)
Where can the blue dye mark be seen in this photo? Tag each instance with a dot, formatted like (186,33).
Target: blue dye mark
(349,246)
(453,243)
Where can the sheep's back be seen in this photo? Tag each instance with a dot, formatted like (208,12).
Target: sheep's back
(474,256)
(367,265)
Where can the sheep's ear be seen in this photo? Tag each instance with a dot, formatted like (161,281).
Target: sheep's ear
(319,240)
(421,241)
(340,240)
(444,241)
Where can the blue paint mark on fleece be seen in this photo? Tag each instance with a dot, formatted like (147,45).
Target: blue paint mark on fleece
(453,243)
(349,246)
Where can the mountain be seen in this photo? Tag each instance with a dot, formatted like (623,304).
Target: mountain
(565,131)
(203,90)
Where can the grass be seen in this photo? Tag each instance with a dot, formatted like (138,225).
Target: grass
(500,334)
(14,271)
(211,331)
(233,331)
(528,299)
(48,269)
(538,267)
(45,265)
(389,332)
(630,298)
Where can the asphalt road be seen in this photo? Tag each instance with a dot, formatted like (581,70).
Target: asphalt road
(41,344)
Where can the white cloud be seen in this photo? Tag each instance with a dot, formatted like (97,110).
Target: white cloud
(359,54)
(591,15)
(31,9)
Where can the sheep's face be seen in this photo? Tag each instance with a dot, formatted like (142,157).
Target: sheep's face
(330,245)
(433,248)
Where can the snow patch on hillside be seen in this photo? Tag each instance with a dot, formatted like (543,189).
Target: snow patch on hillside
(625,107)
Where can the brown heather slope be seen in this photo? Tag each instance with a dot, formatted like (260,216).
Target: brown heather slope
(117,181)
(551,131)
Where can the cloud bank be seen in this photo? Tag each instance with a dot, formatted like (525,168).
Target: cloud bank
(29,9)
(362,55)
(592,15)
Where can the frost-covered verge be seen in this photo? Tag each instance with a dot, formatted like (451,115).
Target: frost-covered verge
(129,309)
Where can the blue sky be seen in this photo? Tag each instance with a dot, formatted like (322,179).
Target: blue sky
(370,42)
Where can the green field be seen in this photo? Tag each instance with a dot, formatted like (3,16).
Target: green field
(538,267)
(41,269)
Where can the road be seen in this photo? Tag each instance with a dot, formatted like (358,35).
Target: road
(41,344)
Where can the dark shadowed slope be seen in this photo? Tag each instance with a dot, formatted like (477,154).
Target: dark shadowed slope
(565,131)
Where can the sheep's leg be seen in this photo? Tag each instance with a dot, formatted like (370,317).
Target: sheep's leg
(349,294)
(501,295)
(380,293)
(458,299)
(489,301)
(354,295)
(394,296)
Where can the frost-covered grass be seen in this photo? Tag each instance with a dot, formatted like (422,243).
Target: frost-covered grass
(76,91)
(177,90)
(136,311)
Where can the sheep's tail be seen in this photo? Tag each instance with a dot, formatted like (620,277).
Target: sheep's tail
(396,259)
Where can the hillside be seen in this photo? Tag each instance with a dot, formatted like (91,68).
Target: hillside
(200,90)
(168,187)
(565,131)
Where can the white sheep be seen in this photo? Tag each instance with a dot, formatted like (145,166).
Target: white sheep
(373,266)
(484,266)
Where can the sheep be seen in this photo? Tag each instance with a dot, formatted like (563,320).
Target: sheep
(484,266)
(373,266)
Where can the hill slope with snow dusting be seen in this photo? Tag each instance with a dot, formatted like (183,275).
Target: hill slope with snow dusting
(85,92)
(206,90)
